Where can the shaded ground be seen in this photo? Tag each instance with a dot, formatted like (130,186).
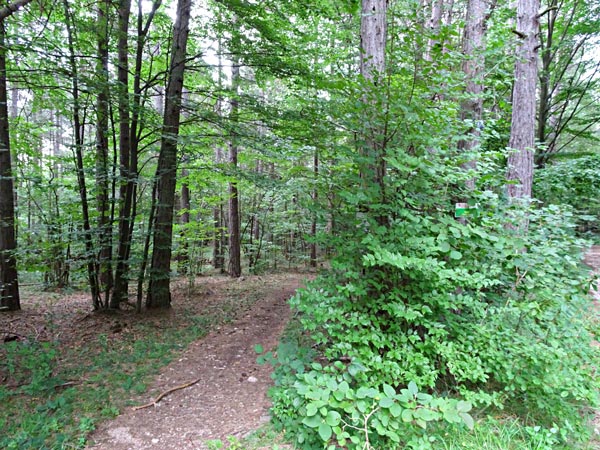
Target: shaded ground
(229,397)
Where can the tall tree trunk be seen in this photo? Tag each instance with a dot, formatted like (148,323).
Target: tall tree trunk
(473,48)
(433,25)
(102,161)
(373,37)
(522,131)
(9,280)
(92,265)
(235,262)
(121,276)
(159,293)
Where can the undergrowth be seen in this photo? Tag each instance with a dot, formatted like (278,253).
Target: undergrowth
(425,324)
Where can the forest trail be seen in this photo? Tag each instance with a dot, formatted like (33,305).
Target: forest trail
(229,398)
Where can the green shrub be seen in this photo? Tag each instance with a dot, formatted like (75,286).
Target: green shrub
(576,183)
(471,312)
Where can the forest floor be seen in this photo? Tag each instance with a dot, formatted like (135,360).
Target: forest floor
(225,389)
(228,397)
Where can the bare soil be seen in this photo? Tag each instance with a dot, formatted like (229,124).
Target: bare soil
(227,396)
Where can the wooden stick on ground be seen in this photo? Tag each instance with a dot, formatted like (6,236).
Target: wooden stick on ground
(165,393)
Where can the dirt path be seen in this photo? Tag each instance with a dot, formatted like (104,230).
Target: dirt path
(228,400)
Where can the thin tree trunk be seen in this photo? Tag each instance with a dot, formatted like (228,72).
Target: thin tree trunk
(235,264)
(102,166)
(522,132)
(315,198)
(184,221)
(159,293)
(78,133)
(121,274)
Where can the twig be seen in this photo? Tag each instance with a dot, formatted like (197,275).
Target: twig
(165,393)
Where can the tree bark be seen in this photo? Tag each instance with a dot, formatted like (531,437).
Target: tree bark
(473,48)
(92,266)
(102,161)
(235,263)
(522,132)
(159,293)
(184,221)
(9,280)
(373,38)
(315,198)
(121,274)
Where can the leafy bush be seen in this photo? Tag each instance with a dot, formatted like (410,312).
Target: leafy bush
(573,182)
(476,311)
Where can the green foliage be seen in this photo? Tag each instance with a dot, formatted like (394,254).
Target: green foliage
(471,312)
(574,182)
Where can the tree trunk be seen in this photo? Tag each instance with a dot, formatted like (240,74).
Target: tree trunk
(90,256)
(373,37)
(9,280)
(473,48)
(102,161)
(235,263)
(184,221)
(522,131)
(315,198)
(159,293)
(433,25)
(121,274)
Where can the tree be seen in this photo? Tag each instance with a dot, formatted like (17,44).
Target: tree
(473,64)
(9,279)
(373,38)
(102,158)
(125,192)
(235,261)
(522,131)
(159,293)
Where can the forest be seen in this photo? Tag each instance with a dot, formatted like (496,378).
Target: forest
(429,168)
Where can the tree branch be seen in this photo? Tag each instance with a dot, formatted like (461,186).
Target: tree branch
(11,8)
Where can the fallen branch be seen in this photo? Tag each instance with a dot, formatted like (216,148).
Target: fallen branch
(165,393)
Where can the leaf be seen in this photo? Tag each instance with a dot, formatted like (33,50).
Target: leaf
(311,409)
(395,410)
(325,432)
(413,388)
(463,406)
(389,390)
(258,349)
(407,415)
(468,420)
(333,418)
(455,254)
(312,422)
(386,402)
(444,247)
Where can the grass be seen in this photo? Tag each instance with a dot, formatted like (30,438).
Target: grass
(59,393)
